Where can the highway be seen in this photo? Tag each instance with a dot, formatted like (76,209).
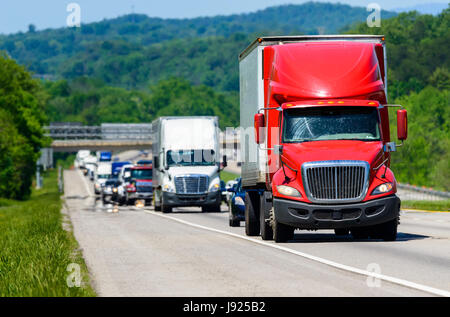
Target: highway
(134,251)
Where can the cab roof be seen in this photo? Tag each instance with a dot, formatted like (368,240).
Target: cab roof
(330,103)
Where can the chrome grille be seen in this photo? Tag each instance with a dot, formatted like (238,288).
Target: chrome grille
(192,184)
(335,181)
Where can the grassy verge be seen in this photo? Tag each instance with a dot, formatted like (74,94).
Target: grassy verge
(438,205)
(35,249)
(227,176)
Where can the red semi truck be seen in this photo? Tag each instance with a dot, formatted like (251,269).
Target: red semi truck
(316,138)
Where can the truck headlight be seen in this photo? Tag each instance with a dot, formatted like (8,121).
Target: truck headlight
(168,188)
(239,201)
(215,187)
(288,191)
(383,189)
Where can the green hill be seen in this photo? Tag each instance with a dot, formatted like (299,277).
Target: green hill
(47,52)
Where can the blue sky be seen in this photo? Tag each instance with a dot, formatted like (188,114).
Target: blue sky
(16,15)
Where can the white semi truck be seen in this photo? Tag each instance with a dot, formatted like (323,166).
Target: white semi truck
(186,163)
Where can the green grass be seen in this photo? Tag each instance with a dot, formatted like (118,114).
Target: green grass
(227,176)
(5,202)
(437,205)
(34,248)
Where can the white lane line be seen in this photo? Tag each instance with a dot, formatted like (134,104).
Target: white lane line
(344,267)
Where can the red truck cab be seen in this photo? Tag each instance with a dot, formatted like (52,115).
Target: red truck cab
(317,109)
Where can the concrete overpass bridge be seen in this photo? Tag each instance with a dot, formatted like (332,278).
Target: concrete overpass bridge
(72,137)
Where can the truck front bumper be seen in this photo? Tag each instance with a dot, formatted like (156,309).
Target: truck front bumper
(312,216)
(180,200)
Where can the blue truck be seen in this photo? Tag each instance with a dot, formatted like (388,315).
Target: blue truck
(116,167)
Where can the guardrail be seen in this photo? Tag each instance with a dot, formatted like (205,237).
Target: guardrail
(411,192)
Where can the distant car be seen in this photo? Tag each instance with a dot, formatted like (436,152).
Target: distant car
(117,166)
(103,173)
(81,155)
(228,186)
(109,190)
(236,204)
(140,185)
(124,179)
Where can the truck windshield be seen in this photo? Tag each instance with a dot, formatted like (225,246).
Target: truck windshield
(191,158)
(331,123)
(141,174)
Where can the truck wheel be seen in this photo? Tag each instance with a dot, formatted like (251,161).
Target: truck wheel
(282,232)
(265,226)
(234,223)
(251,214)
(157,207)
(388,230)
(341,232)
(216,208)
(360,233)
(166,209)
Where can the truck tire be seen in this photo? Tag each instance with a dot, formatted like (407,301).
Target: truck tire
(234,223)
(360,233)
(157,207)
(165,209)
(282,232)
(265,226)
(341,231)
(252,214)
(388,230)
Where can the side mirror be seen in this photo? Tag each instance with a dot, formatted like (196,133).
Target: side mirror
(390,147)
(278,149)
(402,124)
(259,125)
(156,162)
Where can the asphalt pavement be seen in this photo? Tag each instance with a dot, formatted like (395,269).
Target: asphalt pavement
(134,251)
